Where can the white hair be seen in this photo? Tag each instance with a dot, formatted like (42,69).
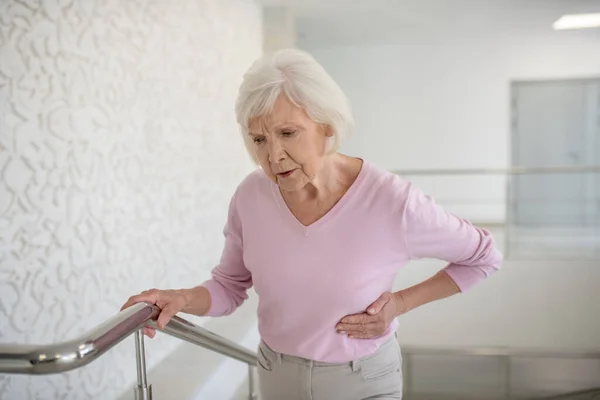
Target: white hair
(298,76)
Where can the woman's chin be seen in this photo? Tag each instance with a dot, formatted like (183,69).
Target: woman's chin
(290,184)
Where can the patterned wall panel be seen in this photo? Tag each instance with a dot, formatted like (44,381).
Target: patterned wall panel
(118,155)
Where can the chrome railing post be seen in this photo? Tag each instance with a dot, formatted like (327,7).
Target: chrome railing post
(251,382)
(142,391)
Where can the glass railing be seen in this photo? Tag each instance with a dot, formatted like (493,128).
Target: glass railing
(499,373)
(539,213)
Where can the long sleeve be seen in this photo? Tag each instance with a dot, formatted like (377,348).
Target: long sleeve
(230,278)
(432,232)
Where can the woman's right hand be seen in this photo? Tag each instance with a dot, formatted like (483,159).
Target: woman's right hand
(170,303)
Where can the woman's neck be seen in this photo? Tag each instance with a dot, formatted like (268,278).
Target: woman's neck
(335,176)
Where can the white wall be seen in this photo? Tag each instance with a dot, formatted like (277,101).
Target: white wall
(279,28)
(445,103)
(118,154)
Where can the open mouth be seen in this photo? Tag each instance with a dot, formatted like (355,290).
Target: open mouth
(285,174)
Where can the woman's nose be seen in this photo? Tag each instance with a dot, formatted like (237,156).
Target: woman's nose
(276,151)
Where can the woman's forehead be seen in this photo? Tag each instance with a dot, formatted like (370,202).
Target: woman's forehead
(259,128)
(278,119)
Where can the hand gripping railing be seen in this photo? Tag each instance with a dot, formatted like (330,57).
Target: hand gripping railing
(61,357)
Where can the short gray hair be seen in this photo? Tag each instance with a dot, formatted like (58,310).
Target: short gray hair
(297,75)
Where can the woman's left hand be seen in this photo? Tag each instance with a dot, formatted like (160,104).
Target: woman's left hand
(375,321)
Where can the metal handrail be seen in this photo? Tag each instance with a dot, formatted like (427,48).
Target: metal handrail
(502,171)
(66,356)
(61,357)
(191,333)
(513,352)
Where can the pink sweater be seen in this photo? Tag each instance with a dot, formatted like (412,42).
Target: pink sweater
(308,278)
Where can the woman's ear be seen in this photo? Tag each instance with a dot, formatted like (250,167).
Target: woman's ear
(328,131)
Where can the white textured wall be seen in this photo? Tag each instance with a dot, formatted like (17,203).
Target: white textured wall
(118,154)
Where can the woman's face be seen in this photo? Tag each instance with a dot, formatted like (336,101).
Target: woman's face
(289,146)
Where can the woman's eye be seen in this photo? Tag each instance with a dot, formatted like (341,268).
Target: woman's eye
(287,133)
(258,140)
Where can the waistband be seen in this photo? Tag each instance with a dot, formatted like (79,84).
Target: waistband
(355,364)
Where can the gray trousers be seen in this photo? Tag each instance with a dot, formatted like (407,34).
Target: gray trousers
(374,377)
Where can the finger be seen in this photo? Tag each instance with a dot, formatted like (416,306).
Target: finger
(353,327)
(361,318)
(150,296)
(353,333)
(378,305)
(369,331)
(362,331)
(347,328)
(150,332)
(165,316)
(362,336)
(148,327)
(131,301)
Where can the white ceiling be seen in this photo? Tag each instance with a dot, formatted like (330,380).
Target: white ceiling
(339,22)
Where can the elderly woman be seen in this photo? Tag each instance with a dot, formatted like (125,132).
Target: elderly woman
(321,235)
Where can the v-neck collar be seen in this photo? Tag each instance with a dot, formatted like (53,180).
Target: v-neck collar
(335,210)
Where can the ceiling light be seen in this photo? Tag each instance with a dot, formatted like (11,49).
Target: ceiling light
(577,21)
